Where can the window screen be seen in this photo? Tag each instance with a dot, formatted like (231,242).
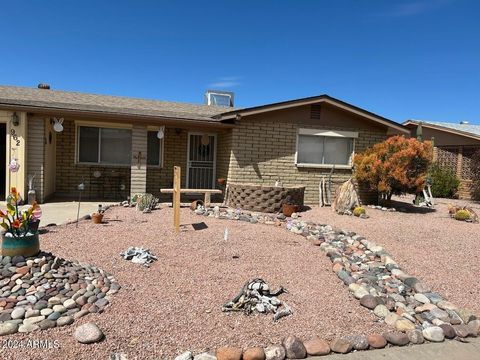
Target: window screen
(314,149)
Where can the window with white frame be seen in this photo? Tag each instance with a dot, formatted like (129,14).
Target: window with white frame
(325,147)
(105,146)
(154,149)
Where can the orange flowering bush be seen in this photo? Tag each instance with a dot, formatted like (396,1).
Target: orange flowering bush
(395,166)
(16,222)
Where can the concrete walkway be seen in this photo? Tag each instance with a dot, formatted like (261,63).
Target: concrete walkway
(64,211)
(448,350)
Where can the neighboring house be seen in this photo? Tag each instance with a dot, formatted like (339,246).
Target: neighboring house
(454,146)
(114,145)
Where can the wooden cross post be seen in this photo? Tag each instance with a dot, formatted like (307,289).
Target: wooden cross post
(176,197)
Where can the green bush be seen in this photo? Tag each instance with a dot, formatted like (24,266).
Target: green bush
(359,211)
(462,215)
(444,182)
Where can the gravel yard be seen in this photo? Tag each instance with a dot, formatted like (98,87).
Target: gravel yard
(175,305)
(440,251)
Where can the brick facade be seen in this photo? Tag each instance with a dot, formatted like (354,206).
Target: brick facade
(263,150)
(68,174)
(259,149)
(175,154)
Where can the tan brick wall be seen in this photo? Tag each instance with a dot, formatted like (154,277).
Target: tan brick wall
(175,154)
(35,155)
(69,174)
(224,151)
(263,149)
(465,189)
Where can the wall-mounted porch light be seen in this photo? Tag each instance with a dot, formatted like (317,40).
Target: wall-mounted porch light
(205,139)
(161,132)
(15,119)
(57,124)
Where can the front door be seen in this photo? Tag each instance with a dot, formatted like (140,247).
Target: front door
(3,159)
(201,161)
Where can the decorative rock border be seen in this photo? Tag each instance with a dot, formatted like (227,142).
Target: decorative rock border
(400,300)
(42,292)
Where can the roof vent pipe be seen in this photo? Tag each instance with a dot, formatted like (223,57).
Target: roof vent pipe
(43,86)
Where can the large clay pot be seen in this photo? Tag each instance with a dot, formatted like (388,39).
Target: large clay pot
(97,218)
(289,209)
(24,246)
(195,203)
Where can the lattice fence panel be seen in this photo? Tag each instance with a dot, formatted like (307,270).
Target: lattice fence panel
(447,158)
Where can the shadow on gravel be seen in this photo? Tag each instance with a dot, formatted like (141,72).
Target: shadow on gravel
(406,207)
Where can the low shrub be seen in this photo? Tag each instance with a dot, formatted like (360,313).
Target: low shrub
(462,215)
(359,210)
(444,182)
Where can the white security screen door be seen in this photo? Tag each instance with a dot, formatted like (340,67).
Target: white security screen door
(201,161)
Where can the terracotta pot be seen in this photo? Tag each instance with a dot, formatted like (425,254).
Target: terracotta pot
(221,181)
(24,246)
(195,203)
(289,209)
(97,218)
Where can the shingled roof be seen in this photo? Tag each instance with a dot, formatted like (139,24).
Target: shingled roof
(33,98)
(470,130)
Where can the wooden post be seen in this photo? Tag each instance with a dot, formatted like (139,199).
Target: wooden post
(176,197)
(207,200)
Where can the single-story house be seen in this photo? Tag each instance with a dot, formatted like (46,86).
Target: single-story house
(118,146)
(454,145)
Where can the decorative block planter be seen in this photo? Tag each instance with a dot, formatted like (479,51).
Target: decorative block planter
(262,198)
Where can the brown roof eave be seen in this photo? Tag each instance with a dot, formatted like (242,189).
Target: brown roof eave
(113,116)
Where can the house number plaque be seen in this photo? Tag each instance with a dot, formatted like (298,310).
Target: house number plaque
(15,137)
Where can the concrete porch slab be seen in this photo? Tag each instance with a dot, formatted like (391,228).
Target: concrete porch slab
(64,211)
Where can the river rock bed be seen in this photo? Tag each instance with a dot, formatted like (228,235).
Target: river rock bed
(42,292)
(402,301)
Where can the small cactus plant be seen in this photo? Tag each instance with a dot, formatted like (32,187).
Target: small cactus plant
(358,211)
(145,202)
(462,215)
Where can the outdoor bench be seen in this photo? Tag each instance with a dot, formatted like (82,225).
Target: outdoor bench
(206,192)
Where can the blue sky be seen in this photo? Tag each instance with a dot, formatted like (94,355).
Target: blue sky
(401,59)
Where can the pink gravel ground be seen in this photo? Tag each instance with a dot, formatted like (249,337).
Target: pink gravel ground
(175,305)
(441,251)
